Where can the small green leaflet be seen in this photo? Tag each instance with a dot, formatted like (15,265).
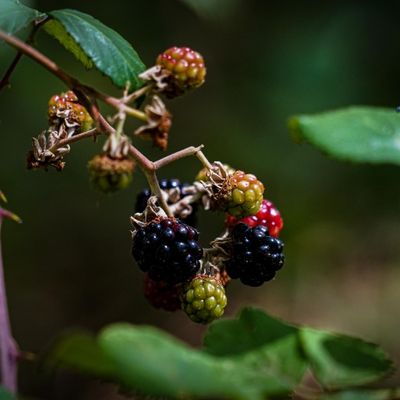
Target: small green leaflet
(95,44)
(15,16)
(359,134)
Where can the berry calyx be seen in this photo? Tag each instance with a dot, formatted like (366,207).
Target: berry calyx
(161,294)
(167,185)
(203,299)
(202,175)
(168,250)
(268,216)
(68,103)
(255,256)
(109,174)
(185,67)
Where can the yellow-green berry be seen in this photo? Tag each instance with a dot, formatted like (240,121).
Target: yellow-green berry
(203,299)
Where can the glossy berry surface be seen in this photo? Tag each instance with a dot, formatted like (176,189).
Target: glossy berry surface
(168,250)
(255,255)
(161,294)
(268,216)
(109,175)
(186,67)
(203,299)
(246,195)
(69,101)
(167,184)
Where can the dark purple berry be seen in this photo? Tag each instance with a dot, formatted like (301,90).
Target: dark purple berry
(167,251)
(255,255)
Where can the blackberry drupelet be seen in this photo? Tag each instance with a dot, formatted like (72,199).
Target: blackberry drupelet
(255,255)
(161,294)
(167,184)
(268,215)
(203,299)
(168,250)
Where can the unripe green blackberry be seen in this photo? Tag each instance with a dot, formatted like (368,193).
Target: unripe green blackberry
(203,299)
(239,194)
(185,67)
(109,174)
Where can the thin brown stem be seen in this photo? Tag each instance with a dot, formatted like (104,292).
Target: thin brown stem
(189,151)
(138,93)
(75,138)
(203,159)
(156,190)
(5,81)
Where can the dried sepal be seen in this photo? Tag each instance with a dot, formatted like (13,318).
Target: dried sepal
(151,212)
(158,123)
(117,146)
(45,151)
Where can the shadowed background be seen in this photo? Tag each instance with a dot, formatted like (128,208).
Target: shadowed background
(69,264)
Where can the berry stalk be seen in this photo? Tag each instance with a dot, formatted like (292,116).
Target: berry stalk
(8,350)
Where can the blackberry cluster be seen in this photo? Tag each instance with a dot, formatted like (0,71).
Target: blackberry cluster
(161,294)
(255,255)
(166,184)
(168,250)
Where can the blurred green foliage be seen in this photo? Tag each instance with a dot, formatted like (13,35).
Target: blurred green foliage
(69,264)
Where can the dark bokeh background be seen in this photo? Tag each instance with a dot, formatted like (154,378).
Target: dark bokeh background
(69,264)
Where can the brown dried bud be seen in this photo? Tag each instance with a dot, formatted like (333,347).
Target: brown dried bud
(158,123)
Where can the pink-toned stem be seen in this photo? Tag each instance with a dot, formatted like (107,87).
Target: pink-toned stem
(8,349)
(189,151)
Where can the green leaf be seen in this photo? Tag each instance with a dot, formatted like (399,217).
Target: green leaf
(95,44)
(265,344)
(156,363)
(15,16)
(360,134)
(80,351)
(380,394)
(339,361)
(5,394)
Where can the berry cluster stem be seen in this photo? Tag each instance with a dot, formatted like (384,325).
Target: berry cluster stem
(8,349)
(87,96)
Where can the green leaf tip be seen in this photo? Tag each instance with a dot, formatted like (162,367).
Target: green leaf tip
(361,134)
(97,45)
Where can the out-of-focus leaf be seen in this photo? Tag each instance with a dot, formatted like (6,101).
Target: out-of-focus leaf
(264,344)
(380,394)
(15,16)
(155,363)
(6,395)
(95,44)
(213,9)
(339,361)
(80,351)
(360,134)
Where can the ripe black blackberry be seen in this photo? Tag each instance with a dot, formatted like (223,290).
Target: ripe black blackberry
(168,250)
(166,184)
(255,255)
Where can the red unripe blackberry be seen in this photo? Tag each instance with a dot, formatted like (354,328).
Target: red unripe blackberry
(203,299)
(161,294)
(268,216)
(185,67)
(255,256)
(168,250)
